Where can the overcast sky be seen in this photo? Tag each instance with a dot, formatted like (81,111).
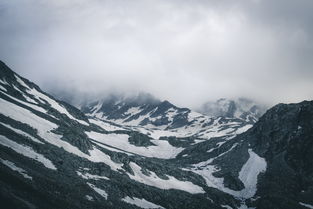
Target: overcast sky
(182,50)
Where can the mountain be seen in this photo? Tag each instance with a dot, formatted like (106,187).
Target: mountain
(284,137)
(242,108)
(156,118)
(268,166)
(54,156)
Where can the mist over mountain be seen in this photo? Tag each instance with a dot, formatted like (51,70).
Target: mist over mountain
(140,152)
(243,108)
(156,104)
(186,52)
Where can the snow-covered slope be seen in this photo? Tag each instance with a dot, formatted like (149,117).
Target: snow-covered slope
(46,140)
(158,119)
(53,156)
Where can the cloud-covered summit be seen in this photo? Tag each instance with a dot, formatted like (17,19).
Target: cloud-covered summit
(185,51)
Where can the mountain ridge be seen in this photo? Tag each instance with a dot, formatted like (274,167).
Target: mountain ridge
(53,156)
(242,108)
(162,118)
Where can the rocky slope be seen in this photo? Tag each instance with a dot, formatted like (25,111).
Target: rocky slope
(53,156)
(284,137)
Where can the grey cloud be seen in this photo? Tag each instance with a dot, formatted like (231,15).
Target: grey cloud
(184,51)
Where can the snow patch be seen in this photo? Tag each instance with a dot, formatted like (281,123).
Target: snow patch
(104,125)
(193,115)
(32,106)
(44,128)
(91,176)
(4,82)
(243,129)
(15,168)
(55,105)
(99,191)
(244,206)
(132,111)
(2,88)
(249,174)
(26,151)
(155,181)
(20,81)
(20,132)
(206,171)
(162,149)
(226,206)
(142,203)
(88,197)
(306,205)
(210,150)
(111,148)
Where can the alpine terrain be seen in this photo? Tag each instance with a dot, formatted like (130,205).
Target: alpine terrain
(243,108)
(140,152)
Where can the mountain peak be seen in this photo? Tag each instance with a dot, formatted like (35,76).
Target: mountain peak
(242,108)
(6,72)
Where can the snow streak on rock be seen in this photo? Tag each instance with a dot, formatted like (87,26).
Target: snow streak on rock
(142,203)
(171,183)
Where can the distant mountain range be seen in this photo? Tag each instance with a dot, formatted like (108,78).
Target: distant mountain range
(241,108)
(148,115)
(140,152)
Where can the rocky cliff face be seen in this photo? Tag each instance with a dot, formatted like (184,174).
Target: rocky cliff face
(284,137)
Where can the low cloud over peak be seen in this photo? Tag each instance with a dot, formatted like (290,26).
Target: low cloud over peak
(185,51)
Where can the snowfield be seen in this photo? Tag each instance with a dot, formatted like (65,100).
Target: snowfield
(55,105)
(44,128)
(105,125)
(249,174)
(133,118)
(162,149)
(22,133)
(26,151)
